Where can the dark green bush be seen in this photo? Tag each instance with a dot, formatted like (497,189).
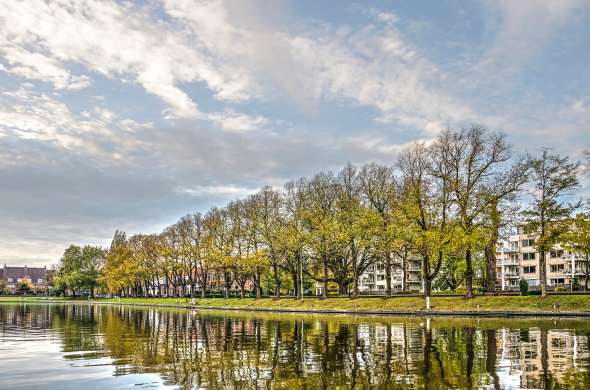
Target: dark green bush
(524,287)
(535,292)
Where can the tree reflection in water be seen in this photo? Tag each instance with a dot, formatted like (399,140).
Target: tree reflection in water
(233,349)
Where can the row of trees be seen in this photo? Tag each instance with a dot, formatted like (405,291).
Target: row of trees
(443,203)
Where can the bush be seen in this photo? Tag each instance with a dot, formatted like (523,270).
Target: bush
(576,283)
(524,287)
(560,289)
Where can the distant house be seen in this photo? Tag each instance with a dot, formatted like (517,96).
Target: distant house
(39,279)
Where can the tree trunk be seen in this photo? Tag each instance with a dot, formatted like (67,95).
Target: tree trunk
(427,286)
(355,279)
(343,288)
(242,291)
(543,273)
(490,249)
(468,273)
(325,290)
(295,277)
(257,284)
(275,271)
(426,275)
(225,285)
(490,254)
(405,274)
(388,277)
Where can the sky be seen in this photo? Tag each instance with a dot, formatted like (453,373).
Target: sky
(128,115)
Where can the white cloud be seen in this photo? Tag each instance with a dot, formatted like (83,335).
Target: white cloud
(525,26)
(117,40)
(372,66)
(218,191)
(34,65)
(234,53)
(376,67)
(32,115)
(232,121)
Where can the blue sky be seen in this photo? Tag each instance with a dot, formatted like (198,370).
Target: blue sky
(121,115)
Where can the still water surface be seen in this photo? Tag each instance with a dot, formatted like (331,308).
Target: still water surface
(102,347)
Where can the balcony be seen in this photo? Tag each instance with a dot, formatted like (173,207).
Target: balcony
(568,272)
(508,262)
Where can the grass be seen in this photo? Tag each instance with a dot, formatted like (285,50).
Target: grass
(513,304)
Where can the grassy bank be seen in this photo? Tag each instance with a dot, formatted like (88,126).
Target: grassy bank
(505,304)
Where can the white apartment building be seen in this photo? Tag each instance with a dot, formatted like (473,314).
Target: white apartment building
(517,258)
(373,279)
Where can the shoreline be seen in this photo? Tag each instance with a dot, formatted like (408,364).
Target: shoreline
(313,310)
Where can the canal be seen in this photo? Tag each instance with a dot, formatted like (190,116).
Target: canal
(78,346)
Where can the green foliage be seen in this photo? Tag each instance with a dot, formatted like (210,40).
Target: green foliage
(576,283)
(79,269)
(452,273)
(24,287)
(546,218)
(442,204)
(523,285)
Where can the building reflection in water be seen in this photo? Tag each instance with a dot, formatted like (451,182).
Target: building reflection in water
(231,349)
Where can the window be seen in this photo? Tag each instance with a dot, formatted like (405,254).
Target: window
(557,267)
(39,280)
(529,256)
(380,277)
(555,254)
(528,242)
(529,270)
(10,280)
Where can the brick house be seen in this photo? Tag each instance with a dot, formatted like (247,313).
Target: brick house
(38,278)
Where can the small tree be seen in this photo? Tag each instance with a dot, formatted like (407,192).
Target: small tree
(577,240)
(24,287)
(3,287)
(553,177)
(79,268)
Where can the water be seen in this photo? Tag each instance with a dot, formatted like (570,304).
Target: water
(83,346)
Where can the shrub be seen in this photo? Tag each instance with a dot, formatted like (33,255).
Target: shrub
(576,283)
(535,292)
(524,287)
(560,289)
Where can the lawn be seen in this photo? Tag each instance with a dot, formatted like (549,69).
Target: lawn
(552,303)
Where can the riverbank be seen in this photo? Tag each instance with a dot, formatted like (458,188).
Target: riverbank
(557,305)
